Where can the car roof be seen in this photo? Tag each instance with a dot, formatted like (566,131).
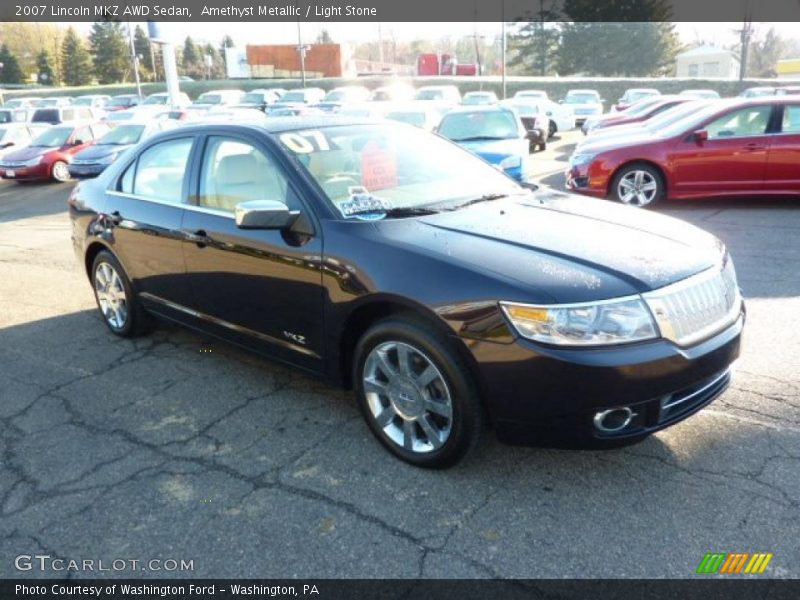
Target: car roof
(583,91)
(467,108)
(281,124)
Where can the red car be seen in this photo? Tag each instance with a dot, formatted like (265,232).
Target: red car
(641,111)
(48,155)
(728,148)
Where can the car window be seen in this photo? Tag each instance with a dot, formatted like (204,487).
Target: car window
(791,119)
(462,126)
(100,129)
(160,170)
(82,135)
(235,171)
(744,122)
(126,181)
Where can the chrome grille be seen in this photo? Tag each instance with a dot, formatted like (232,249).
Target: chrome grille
(696,308)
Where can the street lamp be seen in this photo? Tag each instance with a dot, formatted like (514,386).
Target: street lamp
(301,50)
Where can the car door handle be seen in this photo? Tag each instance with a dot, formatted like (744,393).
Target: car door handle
(754,147)
(199,237)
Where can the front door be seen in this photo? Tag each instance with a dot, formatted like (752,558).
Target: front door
(783,163)
(732,159)
(262,285)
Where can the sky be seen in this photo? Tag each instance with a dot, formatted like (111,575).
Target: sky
(283,33)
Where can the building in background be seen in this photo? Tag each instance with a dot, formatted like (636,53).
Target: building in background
(707,62)
(788,68)
(283,60)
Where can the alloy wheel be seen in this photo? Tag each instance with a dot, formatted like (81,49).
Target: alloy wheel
(637,188)
(111,295)
(61,171)
(408,397)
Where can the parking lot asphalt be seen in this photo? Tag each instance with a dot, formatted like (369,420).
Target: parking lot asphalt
(175,447)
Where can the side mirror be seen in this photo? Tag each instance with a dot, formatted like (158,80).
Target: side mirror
(264,214)
(6,145)
(78,143)
(701,135)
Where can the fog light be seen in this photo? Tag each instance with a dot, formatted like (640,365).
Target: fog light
(613,420)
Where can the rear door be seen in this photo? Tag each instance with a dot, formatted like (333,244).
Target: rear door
(783,162)
(732,159)
(144,209)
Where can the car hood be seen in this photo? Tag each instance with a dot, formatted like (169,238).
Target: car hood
(626,139)
(99,151)
(26,153)
(566,246)
(495,151)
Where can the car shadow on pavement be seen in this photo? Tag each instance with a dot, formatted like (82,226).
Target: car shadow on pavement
(21,200)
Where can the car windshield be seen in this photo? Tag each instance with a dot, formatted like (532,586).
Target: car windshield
(6,116)
(122,135)
(293,97)
(582,98)
(530,95)
(209,98)
(120,101)
(54,137)
(13,104)
(429,95)
(642,106)
(478,99)
(689,122)
(377,167)
(479,125)
(254,97)
(673,115)
(638,95)
(157,100)
(49,102)
(83,101)
(412,118)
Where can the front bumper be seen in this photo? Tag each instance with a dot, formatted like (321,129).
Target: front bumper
(40,171)
(578,179)
(549,396)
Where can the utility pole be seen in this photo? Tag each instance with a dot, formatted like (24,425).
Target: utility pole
(301,50)
(135,60)
(503,46)
(168,57)
(744,39)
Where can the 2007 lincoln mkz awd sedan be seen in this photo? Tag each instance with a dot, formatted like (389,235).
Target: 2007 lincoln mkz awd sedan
(391,260)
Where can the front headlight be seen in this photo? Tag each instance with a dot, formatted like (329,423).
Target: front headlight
(32,162)
(510,162)
(581,158)
(609,322)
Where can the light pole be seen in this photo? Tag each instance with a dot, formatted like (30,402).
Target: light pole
(301,50)
(168,57)
(135,60)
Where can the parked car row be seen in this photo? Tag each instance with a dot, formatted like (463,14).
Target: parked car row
(692,149)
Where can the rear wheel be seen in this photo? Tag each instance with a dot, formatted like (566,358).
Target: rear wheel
(60,171)
(638,185)
(416,393)
(552,129)
(118,305)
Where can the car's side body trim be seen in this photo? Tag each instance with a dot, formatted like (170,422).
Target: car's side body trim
(227,324)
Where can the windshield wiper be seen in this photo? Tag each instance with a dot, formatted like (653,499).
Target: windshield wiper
(400,211)
(484,198)
(476,138)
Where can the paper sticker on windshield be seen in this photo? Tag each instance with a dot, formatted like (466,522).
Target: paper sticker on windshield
(364,206)
(378,167)
(305,142)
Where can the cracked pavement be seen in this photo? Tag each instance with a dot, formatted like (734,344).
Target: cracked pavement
(174,446)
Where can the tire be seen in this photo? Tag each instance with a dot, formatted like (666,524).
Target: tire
(552,129)
(638,176)
(543,146)
(397,407)
(118,305)
(60,172)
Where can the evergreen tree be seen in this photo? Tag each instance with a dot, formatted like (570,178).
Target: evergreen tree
(617,37)
(141,45)
(76,62)
(191,60)
(10,72)
(44,69)
(111,51)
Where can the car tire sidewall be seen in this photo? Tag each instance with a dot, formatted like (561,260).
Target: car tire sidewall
(130,328)
(467,411)
(653,172)
(54,168)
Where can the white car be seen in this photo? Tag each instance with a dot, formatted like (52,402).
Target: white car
(418,114)
(531,95)
(701,94)
(438,93)
(14,136)
(584,104)
(219,98)
(473,98)
(162,99)
(561,117)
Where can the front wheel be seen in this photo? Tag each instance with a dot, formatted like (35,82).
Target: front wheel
(552,129)
(638,185)
(60,171)
(416,393)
